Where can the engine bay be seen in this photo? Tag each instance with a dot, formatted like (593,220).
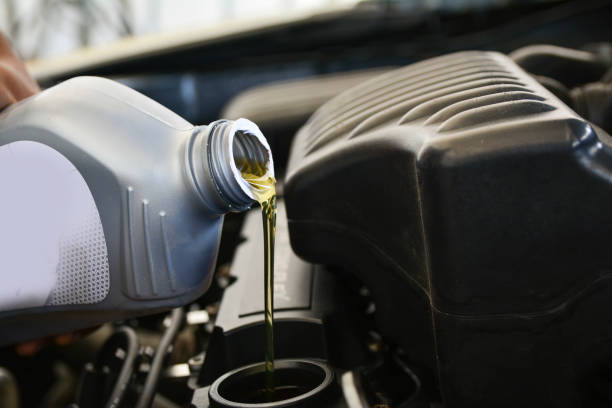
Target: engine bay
(441,226)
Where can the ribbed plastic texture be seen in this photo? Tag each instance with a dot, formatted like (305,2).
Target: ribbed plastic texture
(448,93)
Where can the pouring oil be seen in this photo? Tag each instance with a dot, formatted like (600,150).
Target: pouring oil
(264,189)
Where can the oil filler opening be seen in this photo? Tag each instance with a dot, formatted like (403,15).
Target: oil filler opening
(250,150)
(217,153)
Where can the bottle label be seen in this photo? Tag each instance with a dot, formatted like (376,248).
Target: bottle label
(52,245)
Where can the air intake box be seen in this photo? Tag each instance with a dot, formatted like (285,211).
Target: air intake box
(478,209)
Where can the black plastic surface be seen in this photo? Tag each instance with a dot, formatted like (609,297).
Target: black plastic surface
(476,207)
(568,66)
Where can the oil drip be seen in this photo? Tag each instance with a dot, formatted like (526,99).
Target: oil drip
(263,187)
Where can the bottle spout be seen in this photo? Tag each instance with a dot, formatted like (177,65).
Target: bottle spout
(214,154)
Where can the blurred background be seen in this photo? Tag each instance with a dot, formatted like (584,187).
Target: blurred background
(43,28)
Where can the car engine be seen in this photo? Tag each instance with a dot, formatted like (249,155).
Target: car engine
(441,242)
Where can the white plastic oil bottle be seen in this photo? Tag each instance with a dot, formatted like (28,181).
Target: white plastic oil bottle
(111,205)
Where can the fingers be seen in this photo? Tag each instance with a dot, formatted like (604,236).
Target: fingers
(15,82)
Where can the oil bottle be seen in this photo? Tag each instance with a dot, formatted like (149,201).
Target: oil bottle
(112,205)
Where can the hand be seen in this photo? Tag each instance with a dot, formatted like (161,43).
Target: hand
(15,82)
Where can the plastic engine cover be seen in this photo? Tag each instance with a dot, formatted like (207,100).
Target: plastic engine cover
(476,206)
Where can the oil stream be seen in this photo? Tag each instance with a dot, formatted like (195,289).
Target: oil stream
(263,187)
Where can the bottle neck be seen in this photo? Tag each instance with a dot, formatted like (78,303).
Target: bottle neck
(211,156)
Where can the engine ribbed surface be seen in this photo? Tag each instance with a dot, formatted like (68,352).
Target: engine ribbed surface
(450,93)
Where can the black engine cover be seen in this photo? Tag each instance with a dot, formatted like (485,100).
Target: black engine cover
(476,206)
